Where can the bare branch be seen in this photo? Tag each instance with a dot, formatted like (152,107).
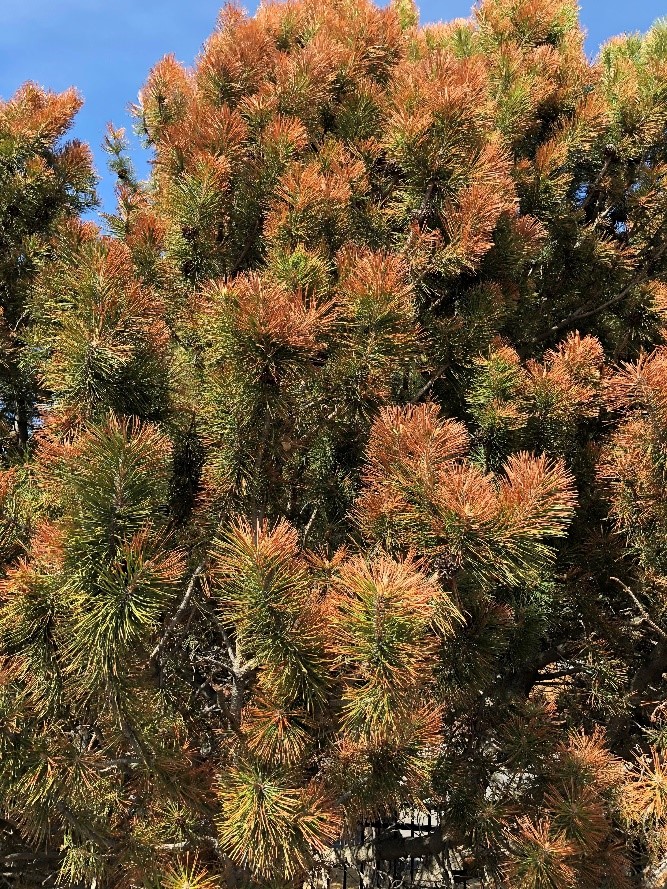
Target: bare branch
(178,614)
(646,618)
(434,379)
(306,530)
(561,674)
(392,845)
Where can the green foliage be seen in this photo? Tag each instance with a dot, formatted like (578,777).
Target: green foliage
(269,824)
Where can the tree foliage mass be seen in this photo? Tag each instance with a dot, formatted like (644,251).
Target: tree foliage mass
(333,465)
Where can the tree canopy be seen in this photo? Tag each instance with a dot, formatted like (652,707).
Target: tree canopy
(333,464)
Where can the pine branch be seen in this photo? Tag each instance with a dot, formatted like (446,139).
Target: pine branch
(306,530)
(645,617)
(85,830)
(426,199)
(561,674)
(650,673)
(185,601)
(529,676)
(256,511)
(239,672)
(392,845)
(431,382)
(188,845)
(582,313)
(18,856)
(247,248)
(598,181)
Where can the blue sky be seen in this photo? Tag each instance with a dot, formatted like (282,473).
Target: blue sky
(106,48)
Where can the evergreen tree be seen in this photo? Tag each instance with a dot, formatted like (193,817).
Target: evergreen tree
(333,474)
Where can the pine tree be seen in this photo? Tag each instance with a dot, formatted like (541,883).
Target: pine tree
(333,463)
